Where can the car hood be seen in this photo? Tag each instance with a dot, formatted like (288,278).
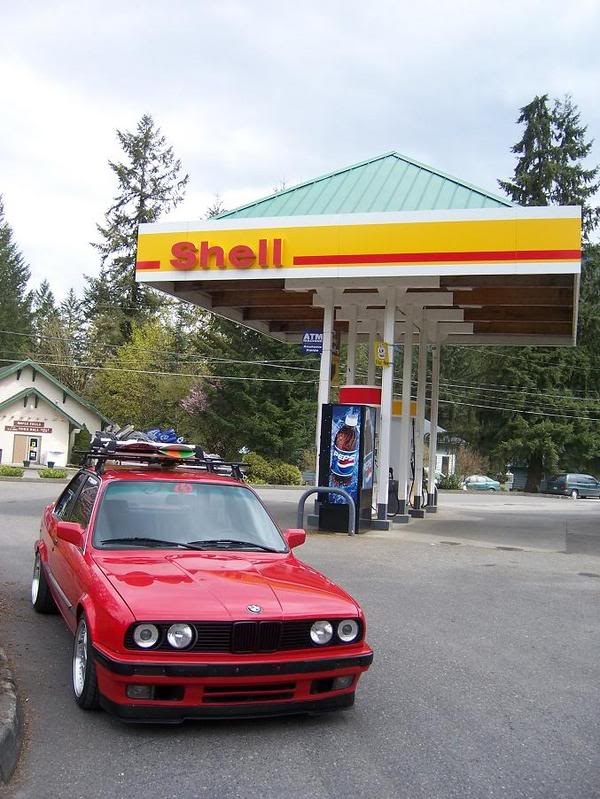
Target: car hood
(213,586)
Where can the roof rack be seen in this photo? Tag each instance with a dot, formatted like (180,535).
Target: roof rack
(108,447)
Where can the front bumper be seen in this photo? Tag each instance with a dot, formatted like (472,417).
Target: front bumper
(163,714)
(234,689)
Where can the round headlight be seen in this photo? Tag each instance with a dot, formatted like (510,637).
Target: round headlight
(146,635)
(347,630)
(321,632)
(180,635)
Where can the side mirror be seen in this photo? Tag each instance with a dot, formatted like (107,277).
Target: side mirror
(70,532)
(295,537)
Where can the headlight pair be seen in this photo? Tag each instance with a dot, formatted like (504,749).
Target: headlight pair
(347,631)
(179,636)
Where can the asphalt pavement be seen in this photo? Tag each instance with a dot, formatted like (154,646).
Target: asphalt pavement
(485,680)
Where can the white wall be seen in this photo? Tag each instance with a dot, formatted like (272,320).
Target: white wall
(451,462)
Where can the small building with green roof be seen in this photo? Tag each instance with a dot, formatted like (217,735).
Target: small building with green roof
(40,416)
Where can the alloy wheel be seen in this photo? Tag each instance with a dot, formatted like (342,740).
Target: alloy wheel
(80,658)
(35,580)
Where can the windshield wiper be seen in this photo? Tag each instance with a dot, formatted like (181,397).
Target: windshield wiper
(138,539)
(230,543)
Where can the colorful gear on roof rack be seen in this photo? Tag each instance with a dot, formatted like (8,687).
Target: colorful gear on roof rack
(127,445)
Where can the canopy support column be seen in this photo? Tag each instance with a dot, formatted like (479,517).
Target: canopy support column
(385,434)
(405,421)
(371,361)
(325,367)
(351,347)
(417,510)
(433,414)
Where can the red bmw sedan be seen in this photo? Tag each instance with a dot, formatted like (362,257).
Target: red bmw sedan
(186,600)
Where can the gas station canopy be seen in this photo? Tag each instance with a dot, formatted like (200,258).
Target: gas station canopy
(388,250)
(488,272)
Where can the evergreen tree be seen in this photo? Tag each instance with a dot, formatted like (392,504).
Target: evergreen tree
(150,183)
(45,322)
(550,169)
(216,208)
(573,183)
(545,381)
(534,172)
(15,301)
(72,314)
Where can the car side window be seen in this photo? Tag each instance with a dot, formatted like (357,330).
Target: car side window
(81,509)
(68,496)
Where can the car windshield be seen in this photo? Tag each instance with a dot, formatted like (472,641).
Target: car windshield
(194,515)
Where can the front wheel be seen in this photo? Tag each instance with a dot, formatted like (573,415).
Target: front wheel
(574,494)
(85,684)
(41,598)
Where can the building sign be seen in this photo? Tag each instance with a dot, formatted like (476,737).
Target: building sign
(312,342)
(26,426)
(378,244)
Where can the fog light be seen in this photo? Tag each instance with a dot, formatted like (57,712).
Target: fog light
(140,691)
(343,682)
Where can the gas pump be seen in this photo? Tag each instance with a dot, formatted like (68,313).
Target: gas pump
(395,455)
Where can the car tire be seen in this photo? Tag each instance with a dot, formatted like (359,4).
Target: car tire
(84,680)
(41,598)
(574,494)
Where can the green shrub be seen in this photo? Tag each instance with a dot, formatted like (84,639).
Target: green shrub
(286,474)
(81,443)
(261,472)
(450,481)
(11,471)
(56,474)
(259,469)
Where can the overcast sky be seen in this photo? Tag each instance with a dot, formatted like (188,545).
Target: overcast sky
(253,92)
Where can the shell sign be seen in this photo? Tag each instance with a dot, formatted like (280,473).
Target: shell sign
(379,244)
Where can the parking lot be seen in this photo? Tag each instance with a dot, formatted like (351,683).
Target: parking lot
(485,622)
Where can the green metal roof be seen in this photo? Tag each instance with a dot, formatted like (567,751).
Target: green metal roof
(389,182)
(11,368)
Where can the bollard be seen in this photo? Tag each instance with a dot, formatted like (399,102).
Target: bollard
(323,490)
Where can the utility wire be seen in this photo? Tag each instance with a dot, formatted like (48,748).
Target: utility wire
(520,410)
(166,374)
(511,389)
(273,363)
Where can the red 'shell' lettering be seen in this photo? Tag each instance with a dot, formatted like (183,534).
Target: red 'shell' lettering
(187,256)
(184,254)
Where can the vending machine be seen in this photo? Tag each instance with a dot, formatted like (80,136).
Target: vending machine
(347,460)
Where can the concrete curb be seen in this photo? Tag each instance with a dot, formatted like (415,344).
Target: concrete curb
(35,479)
(11,722)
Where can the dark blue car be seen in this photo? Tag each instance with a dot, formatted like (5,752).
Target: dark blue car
(573,485)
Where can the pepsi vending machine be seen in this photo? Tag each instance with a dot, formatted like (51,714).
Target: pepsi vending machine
(347,460)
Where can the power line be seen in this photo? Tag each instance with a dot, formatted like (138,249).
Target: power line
(520,410)
(548,396)
(272,363)
(513,389)
(167,374)
(516,410)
